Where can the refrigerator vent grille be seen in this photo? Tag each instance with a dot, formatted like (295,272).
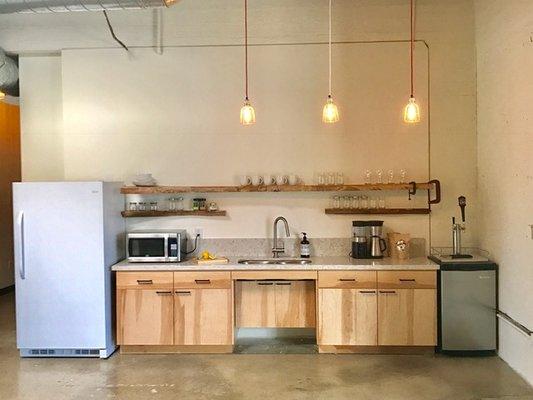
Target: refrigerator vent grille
(63,352)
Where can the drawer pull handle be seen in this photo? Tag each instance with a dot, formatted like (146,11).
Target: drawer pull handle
(183,293)
(145,281)
(368,292)
(283,283)
(165,293)
(265,283)
(203,281)
(407,280)
(346,280)
(387,291)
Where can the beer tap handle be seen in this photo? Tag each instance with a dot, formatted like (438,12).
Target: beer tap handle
(462,204)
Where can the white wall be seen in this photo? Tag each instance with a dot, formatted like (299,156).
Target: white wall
(41,114)
(446,26)
(505,139)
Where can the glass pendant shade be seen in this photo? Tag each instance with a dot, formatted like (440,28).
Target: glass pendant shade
(330,113)
(2,95)
(247,113)
(411,113)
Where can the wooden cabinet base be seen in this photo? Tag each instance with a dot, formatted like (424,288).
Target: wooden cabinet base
(323,349)
(206,349)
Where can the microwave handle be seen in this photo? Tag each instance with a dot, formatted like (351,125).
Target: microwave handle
(166,247)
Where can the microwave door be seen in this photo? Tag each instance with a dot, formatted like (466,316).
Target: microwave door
(147,249)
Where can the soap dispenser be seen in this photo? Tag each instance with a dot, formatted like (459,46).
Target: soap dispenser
(305,247)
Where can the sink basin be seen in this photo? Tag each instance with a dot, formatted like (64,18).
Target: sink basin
(279,261)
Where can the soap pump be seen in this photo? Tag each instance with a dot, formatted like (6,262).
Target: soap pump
(305,251)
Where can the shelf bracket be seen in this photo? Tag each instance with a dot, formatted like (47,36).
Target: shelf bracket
(436,185)
(412,190)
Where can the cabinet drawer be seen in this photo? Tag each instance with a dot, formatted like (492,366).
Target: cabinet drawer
(144,280)
(202,280)
(347,279)
(407,279)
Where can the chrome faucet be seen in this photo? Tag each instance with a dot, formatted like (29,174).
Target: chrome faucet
(277,250)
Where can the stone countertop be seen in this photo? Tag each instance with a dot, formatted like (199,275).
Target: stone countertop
(318,264)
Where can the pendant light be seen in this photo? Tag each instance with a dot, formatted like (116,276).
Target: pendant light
(411,112)
(247,111)
(2,95)
(330,113)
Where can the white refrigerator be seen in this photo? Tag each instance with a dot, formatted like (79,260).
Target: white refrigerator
(67,236)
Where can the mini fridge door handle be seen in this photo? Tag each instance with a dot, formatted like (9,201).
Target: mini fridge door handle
(20,245)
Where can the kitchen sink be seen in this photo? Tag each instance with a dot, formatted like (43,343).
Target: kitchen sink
(278,261)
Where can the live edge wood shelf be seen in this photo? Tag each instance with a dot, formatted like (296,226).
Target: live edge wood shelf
(277,188)
(132,214)
(381,211)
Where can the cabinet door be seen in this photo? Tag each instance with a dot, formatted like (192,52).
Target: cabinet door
(144,317)
(347,317)
(407,317)
(295,304)
(255,304)
(203,317)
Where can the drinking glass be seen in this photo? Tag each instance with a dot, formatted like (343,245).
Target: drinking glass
(379,176)
(364,201)
(368,177)
(331,178)
(339,178)
(403,176)
(347,202)
(390,175)
(320,178)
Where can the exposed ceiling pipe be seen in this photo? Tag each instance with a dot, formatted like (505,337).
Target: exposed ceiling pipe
(56,6)
(9,75)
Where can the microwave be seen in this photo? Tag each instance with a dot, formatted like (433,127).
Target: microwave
(156,246)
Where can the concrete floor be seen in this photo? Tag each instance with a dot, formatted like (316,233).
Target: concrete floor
(251,376)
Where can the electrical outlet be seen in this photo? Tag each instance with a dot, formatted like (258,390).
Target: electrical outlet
(199,231)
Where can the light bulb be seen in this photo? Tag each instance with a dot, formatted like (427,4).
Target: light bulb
(330,113)
(411,113)
(247,113)
(2,95)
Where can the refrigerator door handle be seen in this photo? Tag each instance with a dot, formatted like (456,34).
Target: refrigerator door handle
(20,227)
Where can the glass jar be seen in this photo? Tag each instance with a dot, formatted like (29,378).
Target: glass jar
(172,204)
(153,206)
(355,202)
(364,202)
(179,204)
(202,204)
(142,206)
(133,206)
(336,202)
(195,204)
(347,202)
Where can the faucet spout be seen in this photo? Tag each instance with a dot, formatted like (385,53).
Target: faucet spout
(279,249)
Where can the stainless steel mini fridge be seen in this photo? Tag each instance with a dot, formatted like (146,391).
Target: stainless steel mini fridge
(467,308)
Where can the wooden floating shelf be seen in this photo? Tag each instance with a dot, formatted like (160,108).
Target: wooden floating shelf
(132,214)
(346,211)
(271,188)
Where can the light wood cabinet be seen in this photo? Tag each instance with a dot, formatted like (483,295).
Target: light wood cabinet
(275,304)
(154,308)
(203,317)
(407,317)
(347,279)
(144,317)
(347,317)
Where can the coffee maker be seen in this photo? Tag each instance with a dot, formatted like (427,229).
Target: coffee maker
(367,241)
(359,239)
(377,244)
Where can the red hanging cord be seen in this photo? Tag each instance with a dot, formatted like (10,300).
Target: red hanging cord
(246,46)
(412,48)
